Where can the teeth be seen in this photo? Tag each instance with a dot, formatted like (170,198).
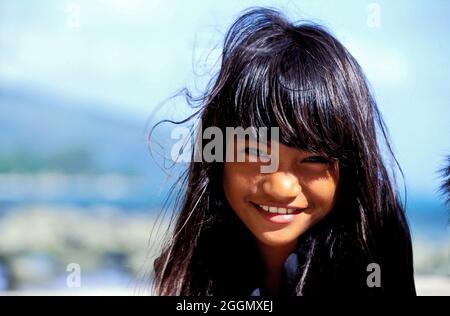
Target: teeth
(277,210)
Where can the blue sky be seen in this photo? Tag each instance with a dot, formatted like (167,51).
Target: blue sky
(129,55)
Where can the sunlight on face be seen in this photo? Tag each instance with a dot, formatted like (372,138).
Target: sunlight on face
(304,185)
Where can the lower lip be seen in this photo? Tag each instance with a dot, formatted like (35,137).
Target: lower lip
(277,218)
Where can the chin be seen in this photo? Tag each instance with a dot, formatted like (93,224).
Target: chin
(277,238)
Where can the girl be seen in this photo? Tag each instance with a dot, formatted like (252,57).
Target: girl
(328,220)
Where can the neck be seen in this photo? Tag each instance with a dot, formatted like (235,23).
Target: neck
(273,259)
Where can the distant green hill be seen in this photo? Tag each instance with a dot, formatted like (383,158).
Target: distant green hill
(41,132)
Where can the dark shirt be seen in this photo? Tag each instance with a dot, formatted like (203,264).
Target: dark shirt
(289,278)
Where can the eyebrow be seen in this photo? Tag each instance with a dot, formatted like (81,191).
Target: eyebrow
(268,141)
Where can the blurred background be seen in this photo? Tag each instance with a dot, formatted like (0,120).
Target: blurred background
(80,82)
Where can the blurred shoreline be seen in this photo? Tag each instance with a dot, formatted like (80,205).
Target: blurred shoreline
(432,285)
(426,285)
(115,249)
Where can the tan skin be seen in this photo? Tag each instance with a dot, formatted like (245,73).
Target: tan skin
(303,180)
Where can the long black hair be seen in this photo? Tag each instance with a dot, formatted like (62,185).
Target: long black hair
(445,185)
(298,77)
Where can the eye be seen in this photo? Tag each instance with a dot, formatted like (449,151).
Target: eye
(317,159)
(254,152)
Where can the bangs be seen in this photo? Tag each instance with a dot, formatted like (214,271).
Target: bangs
(287,86)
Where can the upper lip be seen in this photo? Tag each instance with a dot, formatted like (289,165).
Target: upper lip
(280,205)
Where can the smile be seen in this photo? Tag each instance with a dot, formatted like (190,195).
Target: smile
(276,214)
(277,210)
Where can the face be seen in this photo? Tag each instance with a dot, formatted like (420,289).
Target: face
(278,207)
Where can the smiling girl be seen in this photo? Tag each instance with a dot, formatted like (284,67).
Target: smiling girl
(328,220)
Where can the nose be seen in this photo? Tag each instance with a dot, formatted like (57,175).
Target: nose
(281,186)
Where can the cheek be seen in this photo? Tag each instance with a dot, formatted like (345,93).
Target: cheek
(239,182)
(322,193)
